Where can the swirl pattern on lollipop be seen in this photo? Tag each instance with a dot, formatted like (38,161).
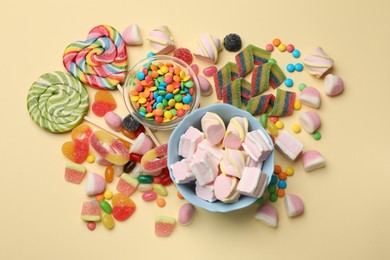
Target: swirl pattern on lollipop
(100,61)
(57,102)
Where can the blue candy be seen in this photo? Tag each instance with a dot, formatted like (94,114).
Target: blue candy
(187,99)
(298,67)
(296,53)
(289,82)
(168,96)
(290,67)
(282,184)
(140,75)
(159,99)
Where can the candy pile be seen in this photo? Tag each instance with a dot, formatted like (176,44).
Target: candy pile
(224,162)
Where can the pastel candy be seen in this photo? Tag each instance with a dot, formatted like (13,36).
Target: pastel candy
(132,36)
(226,188)
(127,184)
(318,62)
(142,144)
(235,132)
(113,120)
(205,192)
(186,214)
(57,102)
(311,97)
(293,205)
(182,172)
(288,145)
(252,163)
(204,168)
(189,142)
(205,86)
(95,184)
(334,85)
(207,48)
(91,211)
(215,152)
(253,182)
(74,172)
(313,160)
(310,121)
(268,215)
(164,226)
(213,128)
(233,162)
(257,145)
(161,40)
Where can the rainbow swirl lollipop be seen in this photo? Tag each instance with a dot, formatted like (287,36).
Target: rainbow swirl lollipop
(100,61)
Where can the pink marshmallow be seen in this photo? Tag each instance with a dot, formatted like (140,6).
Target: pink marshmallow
(288,145)
(181,171)
(95,184)
(257,145)
(142,144)
(205,86)
(204,168)
(233,162)
(213,127)
(226,188)
(131,35)
(293,205)
(252,182)
(189,142)
(318,62)
(312,160)
(310,121)
(311,97)
(207,48)
(334,85)
(113,120)
(268,215)
(252,163)
(205,192)
(235,132)
(215,152)
(161,40)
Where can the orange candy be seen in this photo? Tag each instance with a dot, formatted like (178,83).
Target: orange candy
(282,176)
(160,202)
(180,196)
(77,150)
(169,88)
(100,197)
(103,103)
(109,174)
(280,192)
(276,42)
(120,199)
(277,169)
(128,134)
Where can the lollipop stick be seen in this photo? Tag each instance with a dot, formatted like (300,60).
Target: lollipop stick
(150,133)
(92,121)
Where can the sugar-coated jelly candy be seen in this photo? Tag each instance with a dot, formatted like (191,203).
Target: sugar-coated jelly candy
(108,221)
(164,226)
(149,161)
(120,199)
(121,213)
(109,148)
(103,102)
(77,150)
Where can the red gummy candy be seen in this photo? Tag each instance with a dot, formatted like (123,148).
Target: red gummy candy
(103,102)
(121,213)
(184,54)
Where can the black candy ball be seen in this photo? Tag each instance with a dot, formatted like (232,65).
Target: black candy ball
(130,124)
(232,42)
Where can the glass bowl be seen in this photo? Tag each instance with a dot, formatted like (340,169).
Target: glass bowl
(147,118)
(226,112)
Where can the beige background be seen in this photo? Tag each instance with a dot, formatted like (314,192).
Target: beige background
(347,204)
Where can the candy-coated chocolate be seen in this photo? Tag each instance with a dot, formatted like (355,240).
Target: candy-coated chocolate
(108,221)
(105,206)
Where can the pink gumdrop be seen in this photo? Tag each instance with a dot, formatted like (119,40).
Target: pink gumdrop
(269,47)
(195,68)
(209,71)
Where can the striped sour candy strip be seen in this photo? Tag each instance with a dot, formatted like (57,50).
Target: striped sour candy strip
(57,102)
(100,61)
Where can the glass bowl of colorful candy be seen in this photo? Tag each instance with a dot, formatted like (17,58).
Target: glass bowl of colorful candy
(160,91)
(220,158)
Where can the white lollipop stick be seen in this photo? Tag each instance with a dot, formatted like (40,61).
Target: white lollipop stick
(117,134)
(150,133)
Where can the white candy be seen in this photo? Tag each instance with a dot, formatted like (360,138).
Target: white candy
(334,85)
(311,97)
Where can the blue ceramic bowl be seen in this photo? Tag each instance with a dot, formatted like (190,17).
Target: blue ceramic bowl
(226,112)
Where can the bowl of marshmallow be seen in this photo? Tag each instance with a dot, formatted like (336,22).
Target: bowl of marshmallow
(220,158)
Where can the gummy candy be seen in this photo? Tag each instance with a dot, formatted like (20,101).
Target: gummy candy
(91,211)
(77,150)
(164,226)
(148,161)
(103,102)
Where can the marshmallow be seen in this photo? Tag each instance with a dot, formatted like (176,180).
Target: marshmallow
(204,168)
(253,182)
(252,163)
(310,121)
(189,142)
(311,97)
(181,171)
(142,144)
(215,152)
(288,145)
(312,160)
(293,205)
(205,192)
(334,85)
(268,215)
(213,128)
(235,132)
(132,36)
(161,40)
(318,62)
(95,184)
(205,86)
(257,145)
(226,188)
(233,162)
(207,48)
(113,120)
